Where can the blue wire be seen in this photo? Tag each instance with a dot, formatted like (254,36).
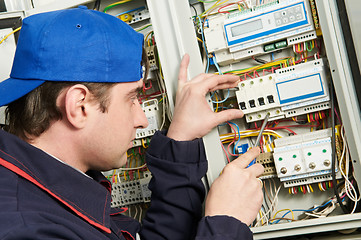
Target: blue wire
(239,137)
(302,210)
(131,10)
(204,43)
(220,73)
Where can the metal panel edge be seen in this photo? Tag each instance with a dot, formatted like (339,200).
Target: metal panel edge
(342,78)
(175,36)
(319,225)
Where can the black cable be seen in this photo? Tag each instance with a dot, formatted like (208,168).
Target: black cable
(334,183)
(261,61)
(96,5)
(195,10)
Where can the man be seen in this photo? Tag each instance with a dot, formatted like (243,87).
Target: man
(73,111)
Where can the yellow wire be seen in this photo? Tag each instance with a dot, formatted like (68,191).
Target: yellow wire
(239,8)
(289,191)
(125,176)
(2,40)
(117,3)
(310,187)
(216,102)
(286,209)
(260,213)
(143,144)
(319,186)
(263,66)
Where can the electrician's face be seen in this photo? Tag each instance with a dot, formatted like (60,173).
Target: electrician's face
(116,128)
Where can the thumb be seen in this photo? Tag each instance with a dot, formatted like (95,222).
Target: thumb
(228,115)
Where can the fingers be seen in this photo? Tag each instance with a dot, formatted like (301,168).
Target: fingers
(256,169)
(245,159)
(220,82)
(225,86)
(182,76)
(228,115)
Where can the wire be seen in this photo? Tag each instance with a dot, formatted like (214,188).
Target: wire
(300,210)
(239,136)
(8,35)
(142,28)
(333,154)
(131,10)
(135,168)
(97,5)
(115,4)
(220,73)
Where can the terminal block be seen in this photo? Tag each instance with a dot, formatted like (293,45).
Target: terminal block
(131,192)
(151,54)
(153,114)
(266,159)
(303,159)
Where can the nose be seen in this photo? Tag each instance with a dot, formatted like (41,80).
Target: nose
(140,120)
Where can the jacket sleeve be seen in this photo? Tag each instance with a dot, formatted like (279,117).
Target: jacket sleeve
(177,190)
(223,228)
(178,193)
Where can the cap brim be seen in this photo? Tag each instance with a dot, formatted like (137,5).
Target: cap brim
(13,88)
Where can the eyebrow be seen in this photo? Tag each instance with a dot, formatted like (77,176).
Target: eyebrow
(135,90)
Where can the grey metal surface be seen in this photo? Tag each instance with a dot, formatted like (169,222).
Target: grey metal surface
(310,226)
(175,36)
(342,78)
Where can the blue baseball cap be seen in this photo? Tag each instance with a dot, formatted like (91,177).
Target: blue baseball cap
(76,45)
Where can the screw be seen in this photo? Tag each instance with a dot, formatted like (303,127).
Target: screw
(297,167)
(283,170)
(312,165)
(327,162)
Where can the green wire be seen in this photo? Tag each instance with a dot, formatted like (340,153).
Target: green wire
(111,6)
(145,27)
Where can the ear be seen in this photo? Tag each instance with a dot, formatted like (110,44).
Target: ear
(78,105)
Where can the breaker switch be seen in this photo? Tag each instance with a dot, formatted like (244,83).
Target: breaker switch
(252,103)
(242,105)
(270,99)
(261,101)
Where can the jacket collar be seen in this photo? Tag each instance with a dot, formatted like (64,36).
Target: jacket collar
(62,182)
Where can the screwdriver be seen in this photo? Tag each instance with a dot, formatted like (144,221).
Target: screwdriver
(258,140)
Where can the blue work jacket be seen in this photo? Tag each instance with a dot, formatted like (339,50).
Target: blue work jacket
(42,198)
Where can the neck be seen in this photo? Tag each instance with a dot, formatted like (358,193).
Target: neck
(62,144)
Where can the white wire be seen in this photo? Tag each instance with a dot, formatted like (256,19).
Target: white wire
(350,189)
(136,212)
(274,203)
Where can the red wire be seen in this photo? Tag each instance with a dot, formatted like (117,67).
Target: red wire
(234,155)
(224,7)
(225,152)
(147,88)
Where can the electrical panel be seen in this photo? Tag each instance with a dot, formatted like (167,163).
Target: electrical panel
(153,115)
(131,192)
(277,49)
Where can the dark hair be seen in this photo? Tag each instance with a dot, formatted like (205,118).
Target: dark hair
(32,114)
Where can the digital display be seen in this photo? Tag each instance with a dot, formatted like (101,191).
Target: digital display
(246,28)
